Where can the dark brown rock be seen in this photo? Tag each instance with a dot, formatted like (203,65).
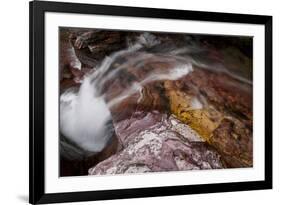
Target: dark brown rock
(92,46)
(213,101)
(76,162)
(233,140)
(224,91)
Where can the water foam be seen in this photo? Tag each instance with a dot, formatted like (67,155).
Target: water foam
(85,116)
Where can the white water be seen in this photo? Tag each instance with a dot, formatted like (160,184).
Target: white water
(84,116)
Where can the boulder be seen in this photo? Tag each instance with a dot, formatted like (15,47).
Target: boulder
(219,108)
(155,142)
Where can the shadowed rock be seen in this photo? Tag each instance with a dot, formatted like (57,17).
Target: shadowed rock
(212,103)
(233,140)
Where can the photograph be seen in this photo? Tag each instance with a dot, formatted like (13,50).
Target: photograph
(139,102)
(133,102)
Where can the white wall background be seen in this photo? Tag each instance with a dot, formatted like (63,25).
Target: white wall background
(14,100)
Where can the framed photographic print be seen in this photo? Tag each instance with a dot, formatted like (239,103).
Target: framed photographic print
(140,102)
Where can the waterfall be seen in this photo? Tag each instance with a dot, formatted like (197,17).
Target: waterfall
(84,115)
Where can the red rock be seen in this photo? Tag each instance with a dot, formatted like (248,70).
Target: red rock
(152,142)
(148,139)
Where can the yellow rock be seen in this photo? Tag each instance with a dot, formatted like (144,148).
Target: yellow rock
(203,119)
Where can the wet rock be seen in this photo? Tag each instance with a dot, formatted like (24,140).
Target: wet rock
(213,103)
(75,161)
(233,140)
(139,84)
(67,57)
(69,66)
(155,142)
(203,99)
(219,108)
(189,106)
(224,91)
(91,46)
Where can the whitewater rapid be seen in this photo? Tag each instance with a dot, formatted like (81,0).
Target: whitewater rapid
(85,115)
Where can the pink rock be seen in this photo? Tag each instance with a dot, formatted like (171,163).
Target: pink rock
(154,142)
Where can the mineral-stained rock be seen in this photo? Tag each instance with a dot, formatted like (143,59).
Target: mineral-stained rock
(67,56)
(235,143)
(155,142)
(213,104)
(69,66)
(188,106)
(91,46)
(138,84)
(224,91)
(222,115)
(203,99)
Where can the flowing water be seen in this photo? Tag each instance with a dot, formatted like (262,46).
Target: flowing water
(85,115)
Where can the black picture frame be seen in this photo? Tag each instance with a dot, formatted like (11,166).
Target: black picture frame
(37,10)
